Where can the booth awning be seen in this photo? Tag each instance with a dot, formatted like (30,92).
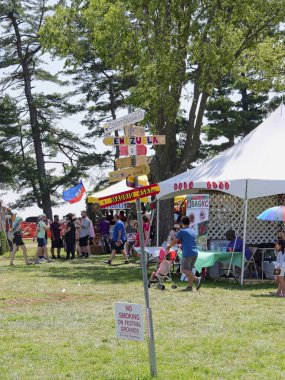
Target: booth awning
(119,187)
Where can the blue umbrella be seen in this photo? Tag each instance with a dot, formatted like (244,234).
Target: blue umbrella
(276,214)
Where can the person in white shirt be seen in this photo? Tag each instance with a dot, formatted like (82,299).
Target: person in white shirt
(172,233)
(84,234)
(279,269)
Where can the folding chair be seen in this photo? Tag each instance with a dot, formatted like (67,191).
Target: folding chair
(251,263)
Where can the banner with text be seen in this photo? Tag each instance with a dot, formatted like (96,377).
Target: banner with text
(129,321)
(197,208)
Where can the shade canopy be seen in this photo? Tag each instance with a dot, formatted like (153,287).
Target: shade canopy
(254,162)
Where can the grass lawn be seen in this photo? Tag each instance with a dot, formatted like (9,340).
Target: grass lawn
(57,322)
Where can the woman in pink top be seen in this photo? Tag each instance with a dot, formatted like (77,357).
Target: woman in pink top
(146,228)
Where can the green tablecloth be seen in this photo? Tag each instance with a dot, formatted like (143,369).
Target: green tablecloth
(208,259)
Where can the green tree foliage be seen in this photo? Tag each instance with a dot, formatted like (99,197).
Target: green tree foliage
(166,45)
(104,87)
(8,124)
(43,157)
(233,110)
(169,45)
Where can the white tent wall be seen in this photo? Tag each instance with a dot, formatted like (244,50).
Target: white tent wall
(225,211)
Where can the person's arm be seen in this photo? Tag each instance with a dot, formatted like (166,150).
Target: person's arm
(36,232)
(47,226)
(52,234)
(172,243)
(68,228)
(119,237)
(278,261)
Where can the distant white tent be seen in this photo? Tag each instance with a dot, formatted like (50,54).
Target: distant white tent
(250,169)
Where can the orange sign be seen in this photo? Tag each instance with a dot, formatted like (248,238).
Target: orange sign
(127,196)
(126,162)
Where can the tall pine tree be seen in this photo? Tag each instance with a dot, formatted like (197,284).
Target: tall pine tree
(51,157)
(233,111)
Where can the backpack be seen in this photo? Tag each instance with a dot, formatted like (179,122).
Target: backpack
(10,235)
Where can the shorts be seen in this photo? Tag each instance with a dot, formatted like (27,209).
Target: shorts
(188,263)
(18,240)
(83,241)
(41,242)
(282,272)
(57,243)
(117,248)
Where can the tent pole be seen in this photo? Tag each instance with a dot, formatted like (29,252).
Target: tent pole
(157,223)
(244,234)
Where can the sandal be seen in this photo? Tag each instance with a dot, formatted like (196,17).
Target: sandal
(273,294)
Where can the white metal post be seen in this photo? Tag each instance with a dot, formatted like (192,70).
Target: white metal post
(157,222)
(244,234)
(144,259)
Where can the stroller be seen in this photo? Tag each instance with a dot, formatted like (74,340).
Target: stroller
(163,274)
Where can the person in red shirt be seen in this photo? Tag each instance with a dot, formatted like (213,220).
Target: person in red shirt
(146,228)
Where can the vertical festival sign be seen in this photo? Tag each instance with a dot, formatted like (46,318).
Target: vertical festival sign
(197,208)
(135,170)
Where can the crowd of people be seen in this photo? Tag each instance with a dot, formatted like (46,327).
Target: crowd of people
(119,234)
(76,236)
(72,234)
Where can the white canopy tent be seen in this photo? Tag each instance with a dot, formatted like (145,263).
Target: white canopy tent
(250,169)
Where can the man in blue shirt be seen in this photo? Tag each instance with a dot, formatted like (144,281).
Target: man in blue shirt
(187,238)
(118,240)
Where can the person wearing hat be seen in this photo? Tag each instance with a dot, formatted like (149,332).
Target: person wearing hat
(187,237)
(43,226)
(18,241)
(70,237)
(172,233)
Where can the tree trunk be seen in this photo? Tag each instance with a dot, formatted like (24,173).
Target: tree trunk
(166,218)
(192,143)
(25,59)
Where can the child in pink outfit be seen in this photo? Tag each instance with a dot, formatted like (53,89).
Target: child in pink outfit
(165,259)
